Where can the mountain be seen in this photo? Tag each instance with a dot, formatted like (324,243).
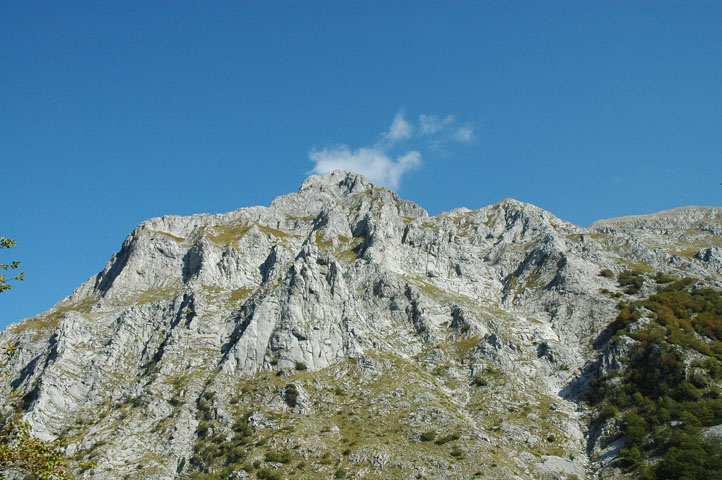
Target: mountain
(341,332)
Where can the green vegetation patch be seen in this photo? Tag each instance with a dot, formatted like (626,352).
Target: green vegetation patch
(157,294)
(605,272)
(169,235)
(631,281)
(240,294)
(663,403)
(308,218)
(229,234)
(349,249)
(51,319)
(360,412)
(274,232)
(321,242)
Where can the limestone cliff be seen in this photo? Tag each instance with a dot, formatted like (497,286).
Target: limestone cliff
(342,331)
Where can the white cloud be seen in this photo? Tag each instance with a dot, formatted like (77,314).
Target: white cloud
(431,124)
(370,162)
(444,130)
(400,129)
(464,134)
(377,164)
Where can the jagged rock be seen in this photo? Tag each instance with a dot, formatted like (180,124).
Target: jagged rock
(343,300)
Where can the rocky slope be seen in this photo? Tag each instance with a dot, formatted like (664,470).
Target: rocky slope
(343,332)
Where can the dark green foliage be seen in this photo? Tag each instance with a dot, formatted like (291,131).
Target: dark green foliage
(236,454)
(689,456)
(266,474)
(214,453)
(278,457)
(607,411)
(456,452)
(291,394)
(632,280)
(665,278)
(300,366)
(242,427)
(635,428)
(202,429)
(665,404)
(428,436)
(448,438)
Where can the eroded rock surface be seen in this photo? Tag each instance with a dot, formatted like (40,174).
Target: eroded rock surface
(341,324)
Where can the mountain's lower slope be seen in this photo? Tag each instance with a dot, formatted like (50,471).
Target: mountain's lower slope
(343,332)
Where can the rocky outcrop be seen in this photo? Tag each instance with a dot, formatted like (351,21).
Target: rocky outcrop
(344,296)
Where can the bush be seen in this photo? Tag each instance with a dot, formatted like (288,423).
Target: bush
(202,429)
(665,278)
(278,457)
(691,457)
(448,438)
(266,474)
(608,411)
(242,427)
(632,280)
(236,454)
(300,366)
(291,395)
(605,272)
(428,436)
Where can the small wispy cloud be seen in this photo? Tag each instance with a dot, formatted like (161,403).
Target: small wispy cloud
(377,163)
(400,129)
(444,130)
(464,134)
(431,124)
(374,164)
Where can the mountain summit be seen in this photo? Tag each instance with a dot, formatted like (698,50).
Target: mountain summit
(343,332)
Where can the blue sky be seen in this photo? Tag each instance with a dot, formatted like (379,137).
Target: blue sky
(115,112)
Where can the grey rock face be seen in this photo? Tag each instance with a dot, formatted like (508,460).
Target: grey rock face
(342,285)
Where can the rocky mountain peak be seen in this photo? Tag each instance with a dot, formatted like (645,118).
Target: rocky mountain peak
(342,181)
(342,309)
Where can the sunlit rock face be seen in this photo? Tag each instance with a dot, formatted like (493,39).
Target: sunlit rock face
(348,332)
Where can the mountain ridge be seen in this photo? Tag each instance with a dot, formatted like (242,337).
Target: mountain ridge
(343,279)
